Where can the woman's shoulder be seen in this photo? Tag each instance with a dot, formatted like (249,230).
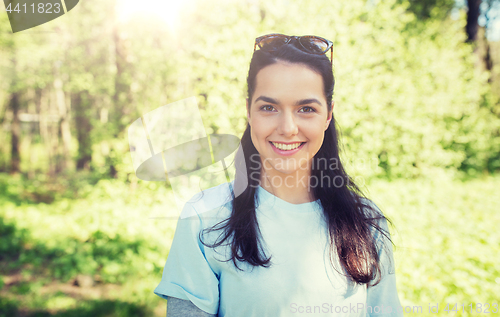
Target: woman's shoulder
(370,208)
(214,202)
(373,212)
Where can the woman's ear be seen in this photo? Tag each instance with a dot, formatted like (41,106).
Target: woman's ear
(329,118)
(248,112)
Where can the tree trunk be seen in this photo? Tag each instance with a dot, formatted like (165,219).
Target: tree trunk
(122,97)
(42,105)
(472,20)
(81,105)
(488,61)
(64,127)
(15,157)
(483,52)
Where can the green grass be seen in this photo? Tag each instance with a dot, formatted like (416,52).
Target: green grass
(448,241)
(105,232)
(102,231)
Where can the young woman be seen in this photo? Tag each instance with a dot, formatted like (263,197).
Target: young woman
(295,236)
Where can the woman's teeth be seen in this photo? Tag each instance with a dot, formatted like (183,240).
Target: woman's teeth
(286,147)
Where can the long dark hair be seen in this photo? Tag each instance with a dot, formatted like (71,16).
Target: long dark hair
(349,215)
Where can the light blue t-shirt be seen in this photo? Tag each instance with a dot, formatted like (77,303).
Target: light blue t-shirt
(300,281)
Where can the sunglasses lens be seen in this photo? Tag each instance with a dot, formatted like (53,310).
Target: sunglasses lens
(273,41)
(314,45)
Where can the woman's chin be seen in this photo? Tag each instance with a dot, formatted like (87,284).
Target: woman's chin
(287,172)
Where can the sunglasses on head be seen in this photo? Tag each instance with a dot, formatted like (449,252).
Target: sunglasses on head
(308,43)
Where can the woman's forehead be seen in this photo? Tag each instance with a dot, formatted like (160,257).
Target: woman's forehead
(288,82)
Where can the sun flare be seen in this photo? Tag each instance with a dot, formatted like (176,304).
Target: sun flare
(168,11)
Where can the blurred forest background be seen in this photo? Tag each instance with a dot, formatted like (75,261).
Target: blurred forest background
(417,102)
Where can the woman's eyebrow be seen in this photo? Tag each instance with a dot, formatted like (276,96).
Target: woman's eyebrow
(307,101)
(298,103)
(267,99)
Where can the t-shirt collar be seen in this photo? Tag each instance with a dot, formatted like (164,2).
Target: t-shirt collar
(265,198)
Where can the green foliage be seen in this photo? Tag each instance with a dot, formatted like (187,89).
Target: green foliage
(11,241)
(445,236)
(409,102)
(113,253)
(408,98)
(101,232)
(435,9)
(92,308)
(8,308)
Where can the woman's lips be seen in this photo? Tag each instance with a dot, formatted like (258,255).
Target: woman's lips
(287,152)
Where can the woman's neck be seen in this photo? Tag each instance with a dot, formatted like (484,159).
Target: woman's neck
(292,188)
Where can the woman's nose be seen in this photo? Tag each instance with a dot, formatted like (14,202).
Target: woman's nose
(287,125)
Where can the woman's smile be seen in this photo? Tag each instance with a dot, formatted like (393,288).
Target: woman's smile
(287,149)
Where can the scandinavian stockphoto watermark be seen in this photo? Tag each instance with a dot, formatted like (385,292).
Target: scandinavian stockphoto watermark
(168,145)
(327,172)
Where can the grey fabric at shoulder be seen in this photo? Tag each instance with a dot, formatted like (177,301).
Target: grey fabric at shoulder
(183,308)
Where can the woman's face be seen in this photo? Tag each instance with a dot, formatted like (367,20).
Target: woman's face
(288,116)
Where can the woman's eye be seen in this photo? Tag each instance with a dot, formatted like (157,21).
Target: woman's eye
(307,109)
(267,108)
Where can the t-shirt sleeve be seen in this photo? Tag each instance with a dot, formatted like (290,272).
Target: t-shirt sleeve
(187,274)
(382,299)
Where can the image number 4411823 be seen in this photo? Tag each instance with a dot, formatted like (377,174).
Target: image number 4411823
(26,14)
